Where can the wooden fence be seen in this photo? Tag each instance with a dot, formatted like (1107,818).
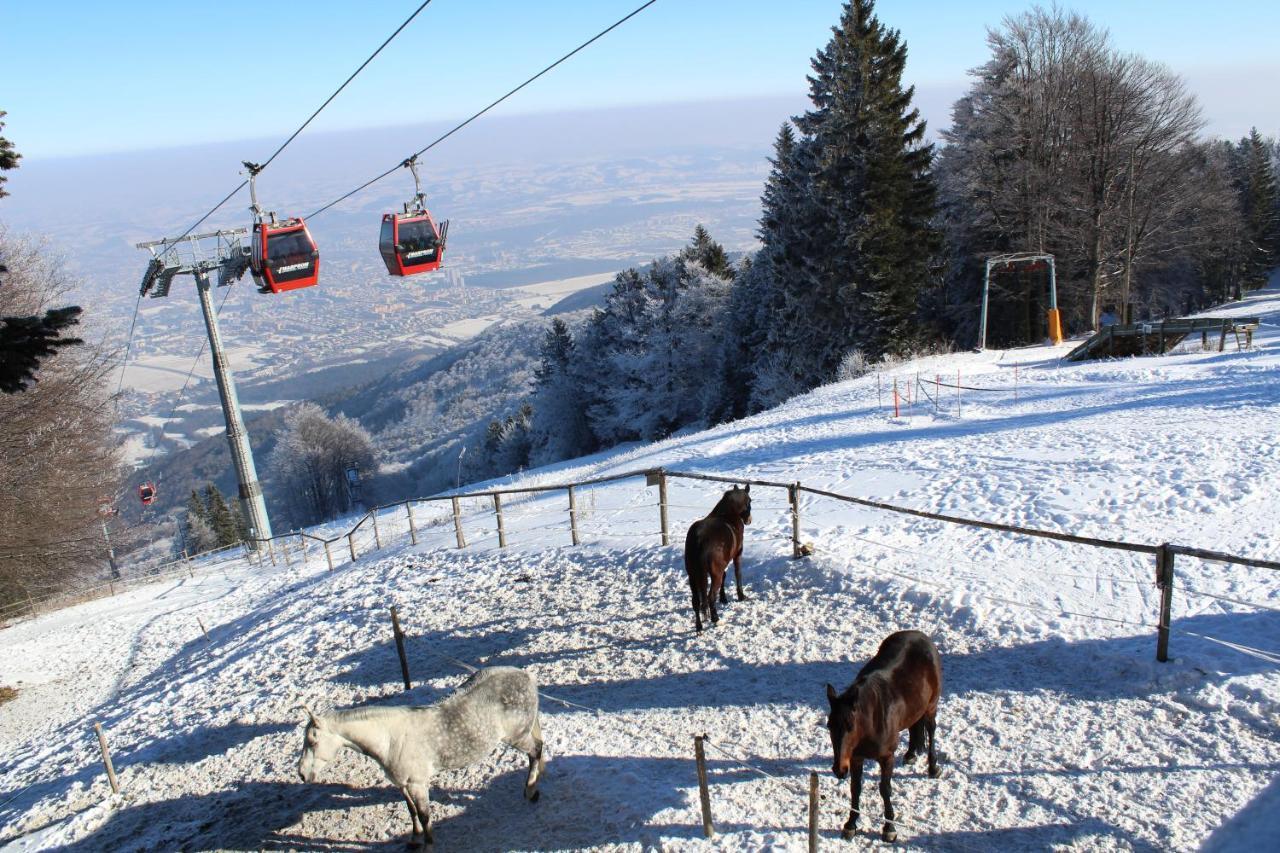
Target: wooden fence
(1164,555)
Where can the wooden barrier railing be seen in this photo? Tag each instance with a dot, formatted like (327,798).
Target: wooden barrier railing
(1165,553)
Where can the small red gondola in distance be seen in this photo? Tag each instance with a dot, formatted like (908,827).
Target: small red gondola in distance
(147,493)
(411,242)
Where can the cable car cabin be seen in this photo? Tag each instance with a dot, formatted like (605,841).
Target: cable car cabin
(147,493)
(284,257)
(411,243)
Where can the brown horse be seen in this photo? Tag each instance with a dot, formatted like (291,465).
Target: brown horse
(709,546)
(897,689)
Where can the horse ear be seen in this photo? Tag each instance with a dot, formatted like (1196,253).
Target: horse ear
(748,490)
(311,718)
(832,695)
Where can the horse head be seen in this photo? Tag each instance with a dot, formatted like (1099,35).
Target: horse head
(737,502)
(319,746)
(842,724)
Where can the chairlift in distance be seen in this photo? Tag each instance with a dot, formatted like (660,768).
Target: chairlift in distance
(283,256)
(411,242)
(147,493)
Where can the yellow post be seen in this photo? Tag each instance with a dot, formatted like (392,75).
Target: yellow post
(1055,326)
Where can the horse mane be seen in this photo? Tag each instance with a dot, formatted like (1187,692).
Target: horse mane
(730,503)
(356,715)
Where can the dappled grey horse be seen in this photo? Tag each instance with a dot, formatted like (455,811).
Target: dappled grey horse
(495,705)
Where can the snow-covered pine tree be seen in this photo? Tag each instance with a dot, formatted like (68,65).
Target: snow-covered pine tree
(197,533)
(559,428)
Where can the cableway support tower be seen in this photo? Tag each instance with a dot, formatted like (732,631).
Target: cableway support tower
(200,255)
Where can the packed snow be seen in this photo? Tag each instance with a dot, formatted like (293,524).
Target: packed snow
(1058,728)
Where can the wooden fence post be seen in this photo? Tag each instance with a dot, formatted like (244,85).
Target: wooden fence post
(793,496)
(895,396)
(106,758)
(957,393)
(497,510)
(377,537)
(302,540)
(662,504)
(1164,580)
(813,812)
(284,548)
(351,545)
(573,517)
(203,630)
(707,829)
(328,555)
(399,635)
(457,523)
(413,531)
(271,550)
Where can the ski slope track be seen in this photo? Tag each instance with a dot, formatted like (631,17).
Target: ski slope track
(1058,728)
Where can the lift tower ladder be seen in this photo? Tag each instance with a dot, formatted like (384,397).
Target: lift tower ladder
(199,255)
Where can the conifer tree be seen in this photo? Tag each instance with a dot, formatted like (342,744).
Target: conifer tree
(197,533)
(220,517)
(847,225)
(9,157)
(1258,200)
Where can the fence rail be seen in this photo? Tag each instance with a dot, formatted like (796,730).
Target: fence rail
(576,519)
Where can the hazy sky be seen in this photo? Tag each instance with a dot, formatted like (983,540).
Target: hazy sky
(84,77)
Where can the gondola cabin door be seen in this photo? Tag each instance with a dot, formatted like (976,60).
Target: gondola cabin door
(410,243)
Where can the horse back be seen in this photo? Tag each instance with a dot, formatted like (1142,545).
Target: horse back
(710,538)
(495,704)
(909,665)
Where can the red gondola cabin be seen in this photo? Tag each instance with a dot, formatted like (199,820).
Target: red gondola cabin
(411,243)
(284,257)
(147,493)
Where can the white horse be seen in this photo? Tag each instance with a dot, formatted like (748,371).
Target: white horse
(412,744)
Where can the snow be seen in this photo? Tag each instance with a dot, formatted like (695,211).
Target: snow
(1058,727)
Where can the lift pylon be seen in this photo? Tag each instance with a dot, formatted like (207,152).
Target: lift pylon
(200,255)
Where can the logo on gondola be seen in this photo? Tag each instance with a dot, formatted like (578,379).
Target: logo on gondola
(408,255)
(293,267)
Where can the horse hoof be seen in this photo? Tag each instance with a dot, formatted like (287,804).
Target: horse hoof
(935,772)
(741,597)
(847,833)
(533,798)
(889,835)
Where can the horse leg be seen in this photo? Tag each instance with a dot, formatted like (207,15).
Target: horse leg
(737,575)
(855,794)
(886,780)
(717,590)
(413,817)
(417,794)
(697,602)
(930,724)
(532,746)
(915,742)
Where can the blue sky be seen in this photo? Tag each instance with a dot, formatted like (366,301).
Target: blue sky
(87,77)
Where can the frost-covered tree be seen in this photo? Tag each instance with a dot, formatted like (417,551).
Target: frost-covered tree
(197,533)
(559,428)
(309,462)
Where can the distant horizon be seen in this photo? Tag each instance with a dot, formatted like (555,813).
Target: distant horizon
(99,79)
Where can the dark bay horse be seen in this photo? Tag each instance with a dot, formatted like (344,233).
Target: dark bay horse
(709,546)
(897,689)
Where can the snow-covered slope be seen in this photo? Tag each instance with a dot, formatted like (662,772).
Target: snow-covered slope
(1058,726)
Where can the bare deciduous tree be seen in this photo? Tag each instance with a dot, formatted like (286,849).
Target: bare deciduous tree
(58,458)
